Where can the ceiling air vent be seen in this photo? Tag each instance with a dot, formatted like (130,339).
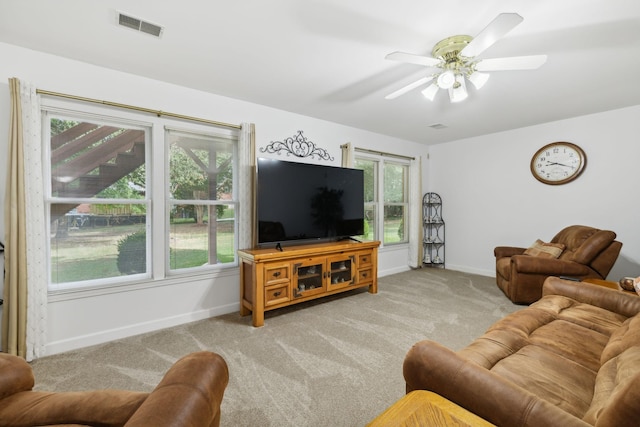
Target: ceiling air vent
(437,126)
(139,25)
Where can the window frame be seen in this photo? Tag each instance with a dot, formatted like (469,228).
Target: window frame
(169,201)
(156,195)
(380,159)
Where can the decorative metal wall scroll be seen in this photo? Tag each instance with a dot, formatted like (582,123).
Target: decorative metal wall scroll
(299,146)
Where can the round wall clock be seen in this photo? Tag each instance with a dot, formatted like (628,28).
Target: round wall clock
(558,163)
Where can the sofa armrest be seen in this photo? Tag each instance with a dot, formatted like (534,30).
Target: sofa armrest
(430,366)
(549,266)
(507,251)
(610,299)
(189,394)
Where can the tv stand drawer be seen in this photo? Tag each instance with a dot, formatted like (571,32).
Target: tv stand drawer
(278,294)
(276,274)
(365,275)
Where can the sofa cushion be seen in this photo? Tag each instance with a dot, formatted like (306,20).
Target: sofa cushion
(573,342)
(616,394)
(587,315)
(545,250)
(624,337)
(551,377)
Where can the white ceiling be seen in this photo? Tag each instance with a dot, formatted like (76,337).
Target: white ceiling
(325,58)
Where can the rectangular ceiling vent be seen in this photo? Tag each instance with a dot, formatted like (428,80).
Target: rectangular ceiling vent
(139,25)
(438,126)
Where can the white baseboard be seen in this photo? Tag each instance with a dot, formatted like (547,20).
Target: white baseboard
(390,271)
(465,269)
(102,337)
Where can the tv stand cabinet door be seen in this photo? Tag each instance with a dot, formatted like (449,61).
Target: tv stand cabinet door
(309,277)
(341,271)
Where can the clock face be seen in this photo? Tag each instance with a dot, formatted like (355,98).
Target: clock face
(558,163)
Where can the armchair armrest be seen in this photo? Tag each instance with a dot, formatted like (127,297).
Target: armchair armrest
(599,296)
(507,251)
(430,366)
(21,406)
(549,266)
(109,408)
(189,394)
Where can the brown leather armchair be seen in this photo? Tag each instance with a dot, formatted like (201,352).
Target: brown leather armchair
(190,393)
(589,253)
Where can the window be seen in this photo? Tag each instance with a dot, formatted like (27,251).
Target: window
(110,182)
(370,171)
(201,203)
(386,182)
(396,206)
(98,198)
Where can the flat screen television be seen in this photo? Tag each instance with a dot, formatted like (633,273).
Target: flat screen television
(305,203)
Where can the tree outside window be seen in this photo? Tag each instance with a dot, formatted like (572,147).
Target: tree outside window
(386,190)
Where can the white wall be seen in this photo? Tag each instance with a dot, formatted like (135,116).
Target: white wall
(92,317)
(490,197)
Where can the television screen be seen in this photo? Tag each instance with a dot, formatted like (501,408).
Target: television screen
(299,202)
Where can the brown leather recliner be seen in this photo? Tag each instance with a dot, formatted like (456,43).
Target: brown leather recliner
(190,393)
(589,253)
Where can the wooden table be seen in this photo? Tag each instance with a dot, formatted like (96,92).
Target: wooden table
(609,284)
(424,408)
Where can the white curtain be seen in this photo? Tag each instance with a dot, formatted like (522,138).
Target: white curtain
(246,163)
(347,155)
(415,213)
(36,229)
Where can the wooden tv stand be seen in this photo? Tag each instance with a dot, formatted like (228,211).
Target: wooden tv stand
(271,279)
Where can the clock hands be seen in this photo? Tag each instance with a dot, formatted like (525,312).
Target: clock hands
(560,164)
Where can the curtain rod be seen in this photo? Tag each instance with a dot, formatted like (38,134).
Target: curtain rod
(141,109)
(382,153)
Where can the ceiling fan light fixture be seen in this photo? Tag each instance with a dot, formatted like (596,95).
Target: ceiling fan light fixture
(478,79)
(458,92)
(430,91)
(456,59)
(446,79)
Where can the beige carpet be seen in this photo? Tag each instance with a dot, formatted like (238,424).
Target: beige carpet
(332,362)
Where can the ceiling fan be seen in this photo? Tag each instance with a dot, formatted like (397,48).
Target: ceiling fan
(454,60)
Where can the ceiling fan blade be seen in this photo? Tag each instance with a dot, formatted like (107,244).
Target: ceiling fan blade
(511,63)
(493,32)
(413,59)
(409,87)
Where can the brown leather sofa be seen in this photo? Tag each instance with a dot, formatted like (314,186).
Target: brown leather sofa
(570,359)
(589,253)
(189,394)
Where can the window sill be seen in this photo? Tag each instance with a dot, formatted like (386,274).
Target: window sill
(115,288)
